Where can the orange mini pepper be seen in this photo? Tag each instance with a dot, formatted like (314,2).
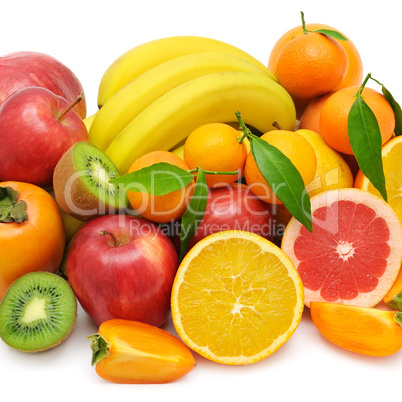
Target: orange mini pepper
(132,352)
(368,331)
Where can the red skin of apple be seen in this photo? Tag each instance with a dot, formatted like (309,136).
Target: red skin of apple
(27,69)
(132,281)
(233,207)
(32,138)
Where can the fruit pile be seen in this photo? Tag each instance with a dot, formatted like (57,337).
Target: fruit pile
(228,194)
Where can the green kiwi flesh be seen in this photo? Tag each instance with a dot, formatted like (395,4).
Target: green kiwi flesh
(81,183)
(37,312)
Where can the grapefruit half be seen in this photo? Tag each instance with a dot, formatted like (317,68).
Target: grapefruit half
(353,255)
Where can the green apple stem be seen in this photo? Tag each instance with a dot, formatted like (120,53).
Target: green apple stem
(115,241)
(77,100)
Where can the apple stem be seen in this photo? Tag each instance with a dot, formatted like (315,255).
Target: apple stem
(106,232)
(78,99)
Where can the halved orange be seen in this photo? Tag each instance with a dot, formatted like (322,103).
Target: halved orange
(236,298)
(392,165)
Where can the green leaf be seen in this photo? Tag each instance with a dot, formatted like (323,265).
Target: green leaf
(396,108)
(366,142)
(283,178)
(158,179)
(331,34)
(194,212)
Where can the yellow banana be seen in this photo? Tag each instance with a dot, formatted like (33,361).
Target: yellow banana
(210,98)
(140,92)
(89,120)
(147,55)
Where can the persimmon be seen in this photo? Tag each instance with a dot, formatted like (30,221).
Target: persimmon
(132,352)
(367,331)
(32,235)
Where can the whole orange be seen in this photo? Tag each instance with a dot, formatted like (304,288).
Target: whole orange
(215,147)
(354,73)
(160,208)
(311,65)
(310,119)
(296,148)
(335,112)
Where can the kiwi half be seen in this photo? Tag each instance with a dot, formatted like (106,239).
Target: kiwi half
(37,312)
(81,183)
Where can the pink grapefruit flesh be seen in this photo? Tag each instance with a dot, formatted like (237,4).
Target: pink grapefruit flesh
(353,255)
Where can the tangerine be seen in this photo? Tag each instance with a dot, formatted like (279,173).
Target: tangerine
(311,65)
(160,208)
(215,147)
(354,74)
(335,113)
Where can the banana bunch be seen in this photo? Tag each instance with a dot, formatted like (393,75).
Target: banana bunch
(154,95)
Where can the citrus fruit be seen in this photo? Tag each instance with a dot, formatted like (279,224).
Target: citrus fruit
(392,165)
(335,112)
(310,119)
(215,147)
(310,65)
(296,148)
(353,254)
(354,73)
(160,208)
(236,298)
(332,170)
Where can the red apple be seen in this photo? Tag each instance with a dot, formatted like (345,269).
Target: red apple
(233,207)
(121,266)
(27,69)
(35,133)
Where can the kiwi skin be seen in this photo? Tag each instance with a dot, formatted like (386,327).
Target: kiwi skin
(14,291)
(86,204)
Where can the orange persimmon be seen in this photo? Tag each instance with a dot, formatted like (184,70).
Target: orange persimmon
(32,236)
(132,352)
(368,331)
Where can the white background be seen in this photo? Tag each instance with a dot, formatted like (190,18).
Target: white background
(88,36)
